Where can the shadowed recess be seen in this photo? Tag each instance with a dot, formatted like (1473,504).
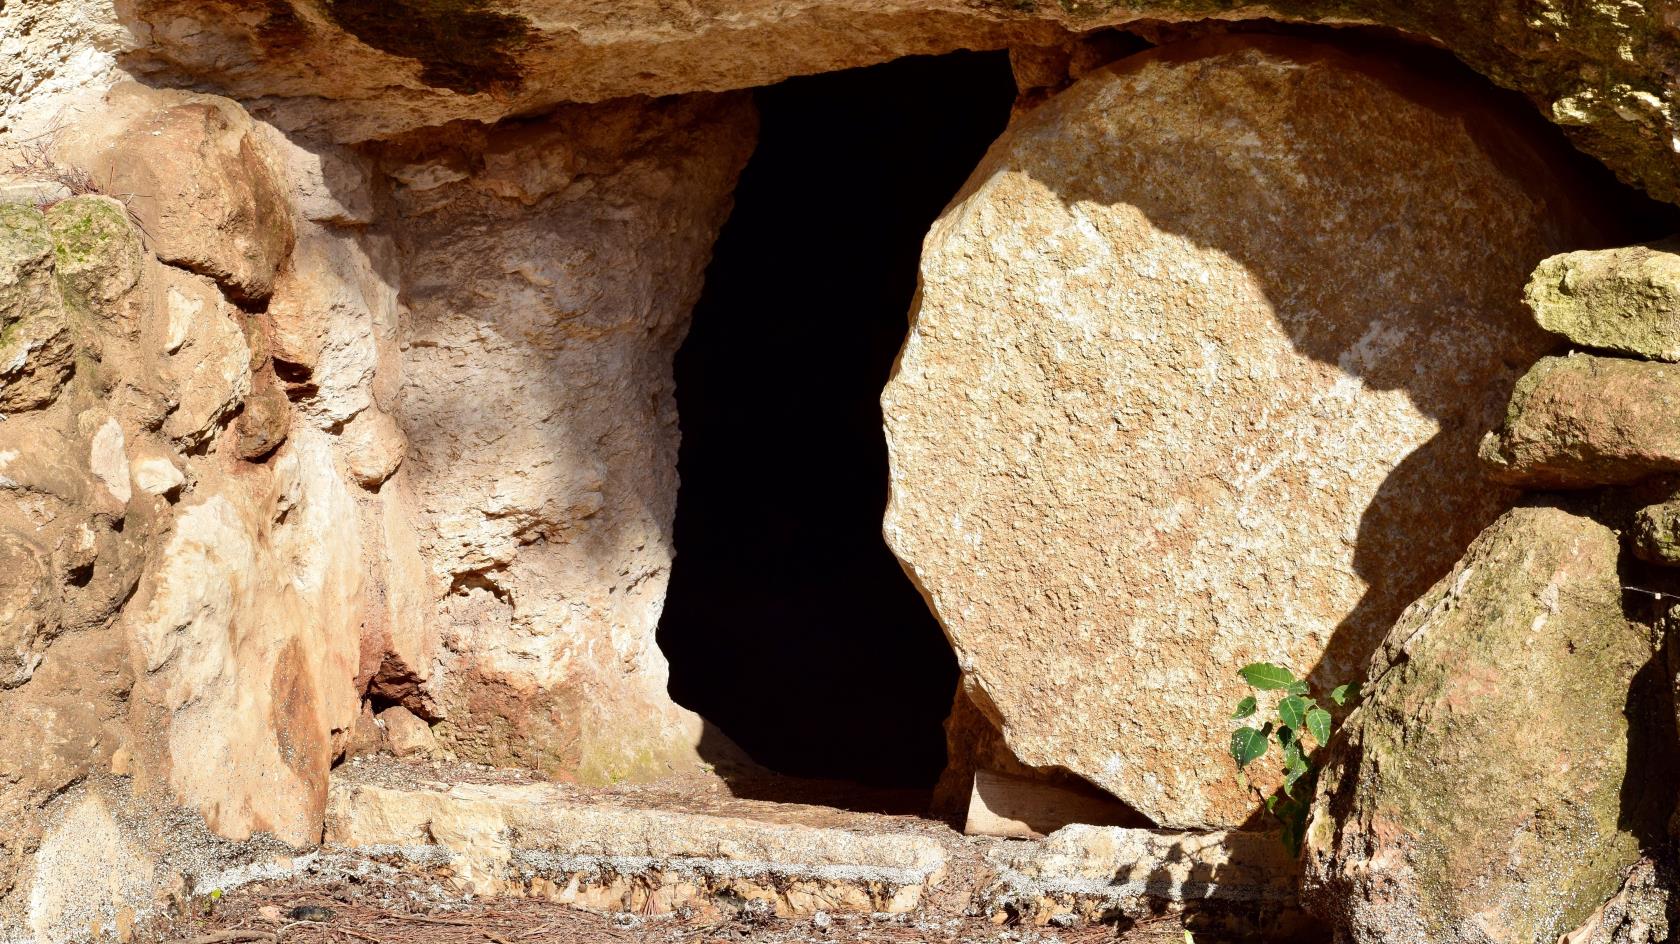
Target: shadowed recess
(789,624)
(461,46)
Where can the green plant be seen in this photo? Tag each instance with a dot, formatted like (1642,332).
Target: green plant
(1298,713)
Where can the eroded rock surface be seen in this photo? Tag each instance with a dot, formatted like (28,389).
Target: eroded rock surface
(1501,772)
(1625,300)
(1583,420)
(547,295)
(1601,69)
(1188,388)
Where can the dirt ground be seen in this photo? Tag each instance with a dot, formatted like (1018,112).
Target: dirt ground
(347,911)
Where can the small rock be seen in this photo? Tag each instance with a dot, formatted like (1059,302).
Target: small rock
(100,255)
(311,913)
(1625,300)
(157,475)
(374,446)
(265,422)
(1656,533)
(37,193)
(406,735)
(109,460)
(1583,421)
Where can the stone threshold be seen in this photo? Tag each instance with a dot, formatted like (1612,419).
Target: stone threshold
(614,853)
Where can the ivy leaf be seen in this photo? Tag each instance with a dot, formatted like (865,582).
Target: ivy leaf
(1342,694)
(1246,707)
(1318,722)
(1266,677)
(1249,745)
(1293,711)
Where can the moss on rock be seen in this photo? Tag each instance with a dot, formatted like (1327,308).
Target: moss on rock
(99,253)
(1482,791)
(36,354)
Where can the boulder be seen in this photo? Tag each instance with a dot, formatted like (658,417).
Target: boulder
(406,735)
(1582,421)
(1499,776)
(1191,383)
(36,354)
(1625,300)
(100,256)
(200,180)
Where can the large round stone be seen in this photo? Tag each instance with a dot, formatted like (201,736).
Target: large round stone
(1195,379)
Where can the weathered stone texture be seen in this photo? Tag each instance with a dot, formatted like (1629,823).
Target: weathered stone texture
(196,174)
(1601,69)
(1583,420)
(1498,776)
(1625,300)
(546,298)
(1189,385)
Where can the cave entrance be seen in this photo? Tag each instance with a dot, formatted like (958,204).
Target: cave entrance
(788,623)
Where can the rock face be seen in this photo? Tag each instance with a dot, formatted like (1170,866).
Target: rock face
(1484,790)
(1185,389)
(538,403)
(1583,420)
(1625,300)
(1601,69)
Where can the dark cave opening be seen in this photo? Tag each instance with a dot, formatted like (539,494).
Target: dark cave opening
(788,622)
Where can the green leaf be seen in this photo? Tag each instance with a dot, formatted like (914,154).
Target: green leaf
(1294,767)
(1318,722)
(1342,694)
(1298,687)
(1249,745)
(1266,677)
(1293,711)
(1246,707)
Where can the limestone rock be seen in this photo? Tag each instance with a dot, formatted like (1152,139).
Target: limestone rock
(405,734)
(245,638)
(1186,389)
(322,324)
(1485,790)
(373,447)
(28,601)
(1101,872)
(36,356)
(157,474)
(1656,532)
(1625,300)
(264,422)
(1600,69)
(542,432)
(203,188)
(212,363)
(1582,420)
(531,839)
(100,256)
